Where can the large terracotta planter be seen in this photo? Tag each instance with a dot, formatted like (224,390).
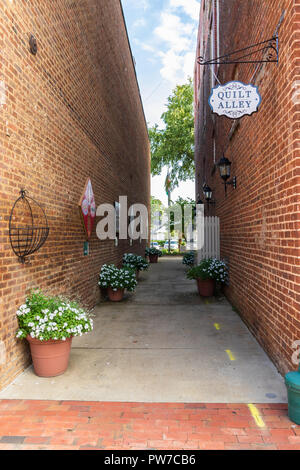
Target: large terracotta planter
(50,358)
(115,295)
(137,274)
(153,258)
(206,288)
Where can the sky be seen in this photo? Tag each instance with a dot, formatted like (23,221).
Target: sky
(163,36)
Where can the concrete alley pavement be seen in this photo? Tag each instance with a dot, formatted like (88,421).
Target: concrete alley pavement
(162,344)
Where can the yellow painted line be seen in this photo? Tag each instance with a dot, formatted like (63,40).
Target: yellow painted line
(217,326)
(256,416)
(230,355)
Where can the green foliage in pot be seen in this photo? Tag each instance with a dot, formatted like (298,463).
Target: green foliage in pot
(189,259)
(117,278)
(135,262)
(46,317)
(210,269)
(153,251)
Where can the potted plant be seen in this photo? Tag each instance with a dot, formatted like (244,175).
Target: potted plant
(116,280)
(189,259)
(135,262)
(207,273)
(49,324)
(153,254)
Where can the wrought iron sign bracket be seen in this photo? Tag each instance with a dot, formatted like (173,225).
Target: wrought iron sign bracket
(249,55)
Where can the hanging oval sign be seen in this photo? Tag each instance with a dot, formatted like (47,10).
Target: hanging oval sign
(235,100)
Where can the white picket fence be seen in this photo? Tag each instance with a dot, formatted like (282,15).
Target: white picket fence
(211,243)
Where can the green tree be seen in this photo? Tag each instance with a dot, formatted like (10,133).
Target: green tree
(173,146)
(184,221)
(156,205)
(157,211)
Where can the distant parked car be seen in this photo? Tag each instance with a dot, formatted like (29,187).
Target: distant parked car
(155,245)
(173,245)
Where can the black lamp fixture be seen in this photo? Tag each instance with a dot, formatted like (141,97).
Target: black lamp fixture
(225,173)
(207,191)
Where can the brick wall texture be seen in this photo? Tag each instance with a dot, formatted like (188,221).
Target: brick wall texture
(70,112)
(260,220)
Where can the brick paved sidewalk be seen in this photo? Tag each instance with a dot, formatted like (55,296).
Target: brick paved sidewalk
(53,425)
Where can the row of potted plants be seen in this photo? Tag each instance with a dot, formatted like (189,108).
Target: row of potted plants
(189,259)
(207,274)
(135,262)
(153,254)
(116,280)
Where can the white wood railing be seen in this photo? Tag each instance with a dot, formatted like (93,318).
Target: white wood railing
(211,245)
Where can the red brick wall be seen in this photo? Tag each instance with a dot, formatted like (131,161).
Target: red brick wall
(260,220)
(72,111)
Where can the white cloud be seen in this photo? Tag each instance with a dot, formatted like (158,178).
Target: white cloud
(174,32)
(174,38)
(173,48)
(144,4)
(172,67)
(189,63)
(140,23)
(145,46)
(177,68)
(177,40)
(173,45)
(190,7)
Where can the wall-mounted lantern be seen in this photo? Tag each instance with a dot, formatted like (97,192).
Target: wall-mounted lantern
(207,191)
(225,173)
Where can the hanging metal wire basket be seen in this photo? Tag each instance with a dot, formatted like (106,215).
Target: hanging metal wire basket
(28,226)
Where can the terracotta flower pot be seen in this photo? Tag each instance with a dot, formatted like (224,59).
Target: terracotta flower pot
(206,288)
(50,358)
(115,295)
(137,274)
(153,258)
